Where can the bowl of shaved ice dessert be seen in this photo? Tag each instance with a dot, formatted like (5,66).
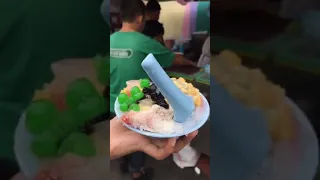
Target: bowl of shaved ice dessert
(48,131)
(142,108)
(293,150)
(147,106)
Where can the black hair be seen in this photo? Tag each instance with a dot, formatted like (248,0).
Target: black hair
(130,9)
(153,28)
(153,5)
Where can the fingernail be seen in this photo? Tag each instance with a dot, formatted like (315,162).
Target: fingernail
(173,141)
(194,134)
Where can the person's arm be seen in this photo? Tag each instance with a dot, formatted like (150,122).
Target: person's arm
(164,56)
(179,60)
(169,43)
(123,141)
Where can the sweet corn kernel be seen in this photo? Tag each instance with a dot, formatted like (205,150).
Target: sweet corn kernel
(188,89)
(198,101)
(181,80)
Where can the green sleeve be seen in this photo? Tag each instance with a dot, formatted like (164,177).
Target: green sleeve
(164,56)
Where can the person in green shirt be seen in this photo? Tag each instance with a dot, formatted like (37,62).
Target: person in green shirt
(128,48)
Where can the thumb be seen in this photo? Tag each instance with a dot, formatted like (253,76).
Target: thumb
(172,146)
(161,153)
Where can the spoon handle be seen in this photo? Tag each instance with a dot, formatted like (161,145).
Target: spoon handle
(182,104)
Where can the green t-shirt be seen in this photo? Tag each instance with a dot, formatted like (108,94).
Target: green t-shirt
(127,51)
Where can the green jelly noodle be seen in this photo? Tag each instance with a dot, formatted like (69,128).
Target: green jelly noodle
(124,107)
(65,124)
(57,132)
(134,107)
(122,98)
(138,96)
(134,90)
(89,108)
(79,144)
(78,91)
(45,145)
(40,115)
(144,83)
(129,103)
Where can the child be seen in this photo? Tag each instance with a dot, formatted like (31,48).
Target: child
(154,29)
(153,9)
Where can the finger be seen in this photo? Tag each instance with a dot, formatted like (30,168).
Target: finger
(54,170)
(43,175)
(159,142)
(48,172)
(170,147)
(192,135)
(181,143)
(160,153)
(52,173)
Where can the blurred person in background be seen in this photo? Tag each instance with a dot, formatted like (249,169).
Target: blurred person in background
(154,29)
(153,10)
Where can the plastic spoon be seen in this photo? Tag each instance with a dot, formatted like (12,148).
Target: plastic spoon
(182,104)
(239,136)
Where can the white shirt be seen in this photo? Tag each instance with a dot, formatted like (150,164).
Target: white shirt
(205,56)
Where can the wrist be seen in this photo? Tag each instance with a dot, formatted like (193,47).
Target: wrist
(113,150)
(122,140)
(120,145)
(122,148)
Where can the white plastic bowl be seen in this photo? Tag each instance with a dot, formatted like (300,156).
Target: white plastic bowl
(28,162)
(296,159)
(201,115)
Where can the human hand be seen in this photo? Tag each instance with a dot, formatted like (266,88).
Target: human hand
(71,166)
(182,2)
(59,168)
(123,141)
